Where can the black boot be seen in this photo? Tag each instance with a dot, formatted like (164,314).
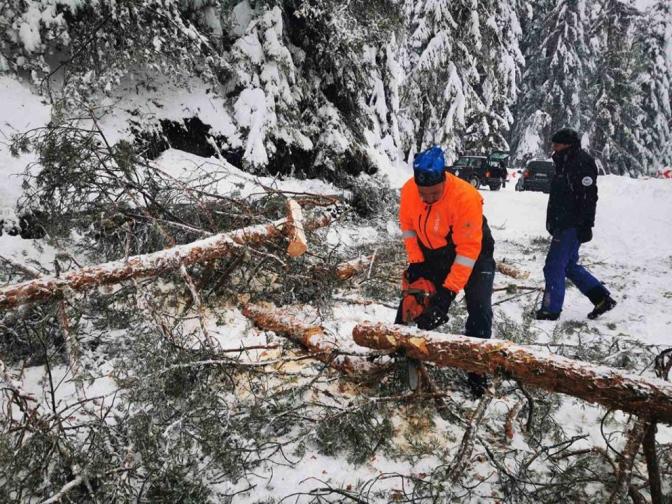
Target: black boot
(603,306)
(602,300)
(543,314)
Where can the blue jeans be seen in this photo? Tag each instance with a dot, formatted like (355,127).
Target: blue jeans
(562,261)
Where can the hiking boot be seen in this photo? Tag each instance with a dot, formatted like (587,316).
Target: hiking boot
(602,306)
(543,314)
(477,384)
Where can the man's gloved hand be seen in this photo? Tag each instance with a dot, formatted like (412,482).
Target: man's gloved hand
(584,234)
(415,271)
(436,313)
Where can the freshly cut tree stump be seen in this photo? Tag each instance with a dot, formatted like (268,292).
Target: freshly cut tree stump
(612,388)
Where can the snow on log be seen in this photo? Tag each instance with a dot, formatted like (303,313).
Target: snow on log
(156,263)
(311,337)
(612,388)
(512,271)
(294,229)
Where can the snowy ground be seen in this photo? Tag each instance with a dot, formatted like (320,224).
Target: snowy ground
(631,253)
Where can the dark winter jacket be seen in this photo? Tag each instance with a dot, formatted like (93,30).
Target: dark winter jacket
(573,194)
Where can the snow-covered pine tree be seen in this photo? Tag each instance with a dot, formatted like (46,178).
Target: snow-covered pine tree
(558,60)
(301,76)
(499,65)
(462,65)
(655,79)
(74,49)
(615,131)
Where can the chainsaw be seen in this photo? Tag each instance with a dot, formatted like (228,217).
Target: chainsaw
(415,298)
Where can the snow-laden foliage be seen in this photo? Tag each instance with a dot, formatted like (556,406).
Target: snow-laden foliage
(615,130)
(463,67)
(554,93)
(655,40)
(75,48)
(321,87)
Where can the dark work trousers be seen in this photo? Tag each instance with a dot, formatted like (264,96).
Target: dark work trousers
(478,294)
(562,261)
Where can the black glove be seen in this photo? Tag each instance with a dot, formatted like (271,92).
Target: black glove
(584,234)
(415,271)
(436,313)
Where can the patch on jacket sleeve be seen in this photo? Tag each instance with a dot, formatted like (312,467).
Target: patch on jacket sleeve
(587,181)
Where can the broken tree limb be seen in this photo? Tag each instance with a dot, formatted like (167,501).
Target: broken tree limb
(652,466)
(311,337)
(462,459)
(298,245)
(153,264)
(350,268)
(612,388)
(626,463)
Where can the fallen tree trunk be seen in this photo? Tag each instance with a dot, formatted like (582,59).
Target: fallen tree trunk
(311,337)
(154,264)
(612,388)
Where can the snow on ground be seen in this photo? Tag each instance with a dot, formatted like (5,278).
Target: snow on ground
(228,179)
(21,111)
(631,253)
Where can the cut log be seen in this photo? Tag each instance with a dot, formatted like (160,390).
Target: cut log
(311,337)
(612,388)
(298,245)
(512,271)
(146,265)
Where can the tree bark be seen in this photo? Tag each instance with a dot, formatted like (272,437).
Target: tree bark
(612,388)
(311,337)
(146,265)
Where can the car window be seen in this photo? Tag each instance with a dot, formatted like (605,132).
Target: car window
(541,166)
(462,162)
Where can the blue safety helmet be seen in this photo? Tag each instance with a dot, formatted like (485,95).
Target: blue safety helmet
(429,167)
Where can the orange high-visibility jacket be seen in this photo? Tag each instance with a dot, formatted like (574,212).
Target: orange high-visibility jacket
(457,216)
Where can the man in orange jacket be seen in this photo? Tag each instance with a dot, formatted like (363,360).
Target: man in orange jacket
(448,242)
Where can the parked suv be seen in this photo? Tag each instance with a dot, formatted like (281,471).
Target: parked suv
(482,170)
(536,176)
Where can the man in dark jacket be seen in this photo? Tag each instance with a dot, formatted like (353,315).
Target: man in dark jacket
(570,219)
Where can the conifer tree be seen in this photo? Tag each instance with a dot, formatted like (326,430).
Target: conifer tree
(558,62)
(463,63)
(655,81)
(615,132)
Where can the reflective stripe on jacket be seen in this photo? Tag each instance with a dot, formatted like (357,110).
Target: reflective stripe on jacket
(456,219)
